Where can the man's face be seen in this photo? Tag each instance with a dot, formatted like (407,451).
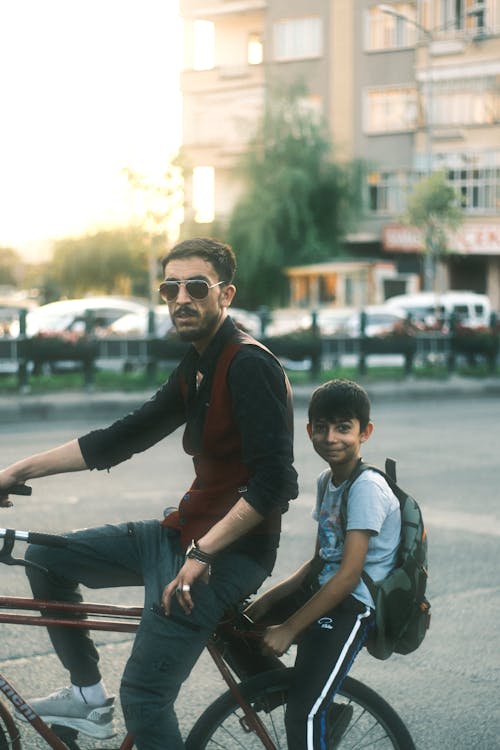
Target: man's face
(197,320)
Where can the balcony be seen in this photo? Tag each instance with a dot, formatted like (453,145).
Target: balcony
(223,76)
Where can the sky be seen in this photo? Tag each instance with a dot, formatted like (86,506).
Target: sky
(87,89)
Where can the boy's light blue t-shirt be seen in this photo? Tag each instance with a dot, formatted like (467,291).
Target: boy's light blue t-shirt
(371,506)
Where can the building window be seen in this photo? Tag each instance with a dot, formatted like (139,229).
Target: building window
(385,31)
(255,49)
(387,192)
(298,38)
(390,109)
(478,188)
(452,14)
(203,45)
(466,101)
(204,194)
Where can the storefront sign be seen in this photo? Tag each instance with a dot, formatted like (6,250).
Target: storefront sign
(470,239)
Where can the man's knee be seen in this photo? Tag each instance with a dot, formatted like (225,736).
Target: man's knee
(149,716)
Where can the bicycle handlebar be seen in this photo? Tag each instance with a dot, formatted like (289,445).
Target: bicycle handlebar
(34,537)
(19,489)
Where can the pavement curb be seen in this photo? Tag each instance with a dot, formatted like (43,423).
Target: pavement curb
(100,407)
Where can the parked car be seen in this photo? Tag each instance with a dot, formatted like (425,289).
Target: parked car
(67,317)
(136,324)
(380,321)
(431,310)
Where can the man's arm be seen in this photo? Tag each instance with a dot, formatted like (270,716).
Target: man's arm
(278,638)
(64,458)
(237,522)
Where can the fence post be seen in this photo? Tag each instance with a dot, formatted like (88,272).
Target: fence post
(88,361)
(362,340)
(452,356)
(493,354)
(410,353)
(152,362)
(317,349)
(265,317)
(22,366)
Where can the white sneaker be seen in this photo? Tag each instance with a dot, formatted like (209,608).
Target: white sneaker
(64,709)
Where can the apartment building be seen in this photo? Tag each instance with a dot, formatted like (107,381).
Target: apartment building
(408,86)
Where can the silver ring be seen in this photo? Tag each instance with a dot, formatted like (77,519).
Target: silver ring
(186,587)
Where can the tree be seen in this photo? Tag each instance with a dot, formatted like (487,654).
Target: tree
(11,267)
(434,208)
(107,262)
(159,210)
(298,203)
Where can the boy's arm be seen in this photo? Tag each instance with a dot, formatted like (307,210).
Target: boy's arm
(278,638)
(263,603)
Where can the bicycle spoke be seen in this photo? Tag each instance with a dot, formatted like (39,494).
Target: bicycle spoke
(373,723)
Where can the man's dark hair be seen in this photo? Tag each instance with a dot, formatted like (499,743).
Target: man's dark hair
(218,254)
(340,399)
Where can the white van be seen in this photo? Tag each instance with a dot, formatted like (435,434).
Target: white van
(468,308)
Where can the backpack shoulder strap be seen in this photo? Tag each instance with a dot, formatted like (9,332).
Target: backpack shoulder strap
(390,476)
(323,483)
(357,471)
(390,469)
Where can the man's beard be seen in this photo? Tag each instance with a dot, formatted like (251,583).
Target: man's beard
(202,328)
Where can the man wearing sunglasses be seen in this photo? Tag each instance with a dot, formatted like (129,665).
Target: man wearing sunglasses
(216,547)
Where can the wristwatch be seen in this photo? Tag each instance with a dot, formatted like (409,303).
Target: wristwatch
(193,552)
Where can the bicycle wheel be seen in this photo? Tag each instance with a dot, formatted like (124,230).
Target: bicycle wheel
(9,733)
(373,724)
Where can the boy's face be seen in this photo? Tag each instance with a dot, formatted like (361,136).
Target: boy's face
(338,442)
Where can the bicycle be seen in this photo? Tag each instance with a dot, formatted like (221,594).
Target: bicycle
(250,714)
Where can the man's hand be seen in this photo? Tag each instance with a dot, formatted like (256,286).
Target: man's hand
(181,585)
(7,480)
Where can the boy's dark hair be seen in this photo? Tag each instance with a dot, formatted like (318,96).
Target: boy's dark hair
(218,254)
(340,399)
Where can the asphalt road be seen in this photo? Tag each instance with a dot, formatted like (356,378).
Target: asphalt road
(447,450)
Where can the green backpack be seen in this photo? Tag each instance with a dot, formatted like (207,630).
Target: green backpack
(401,609)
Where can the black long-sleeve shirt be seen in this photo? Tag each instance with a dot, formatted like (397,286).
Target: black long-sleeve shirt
(259,401)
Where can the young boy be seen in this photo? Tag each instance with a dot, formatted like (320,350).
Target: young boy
(332,624)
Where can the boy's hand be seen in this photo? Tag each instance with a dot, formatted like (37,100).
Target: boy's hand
(277,639)
(257,608)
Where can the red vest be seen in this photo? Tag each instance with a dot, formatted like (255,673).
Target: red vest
(220,473)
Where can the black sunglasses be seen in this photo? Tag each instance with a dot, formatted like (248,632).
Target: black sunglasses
(196,288)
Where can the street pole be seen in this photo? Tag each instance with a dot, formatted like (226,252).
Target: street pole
(428,259)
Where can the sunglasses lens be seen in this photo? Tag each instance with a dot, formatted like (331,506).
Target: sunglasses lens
(169,290)
(197,289)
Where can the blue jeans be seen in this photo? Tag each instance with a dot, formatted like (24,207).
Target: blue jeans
(165,648)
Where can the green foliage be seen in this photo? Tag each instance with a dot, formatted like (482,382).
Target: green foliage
(434,208)
(297,203)
(107,262)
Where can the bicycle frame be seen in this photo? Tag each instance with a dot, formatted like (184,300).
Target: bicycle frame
(115,618)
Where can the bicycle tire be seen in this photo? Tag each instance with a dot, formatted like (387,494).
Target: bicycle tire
(374,722)
(9,733)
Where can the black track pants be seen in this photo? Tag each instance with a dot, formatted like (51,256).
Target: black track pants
(325,653)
